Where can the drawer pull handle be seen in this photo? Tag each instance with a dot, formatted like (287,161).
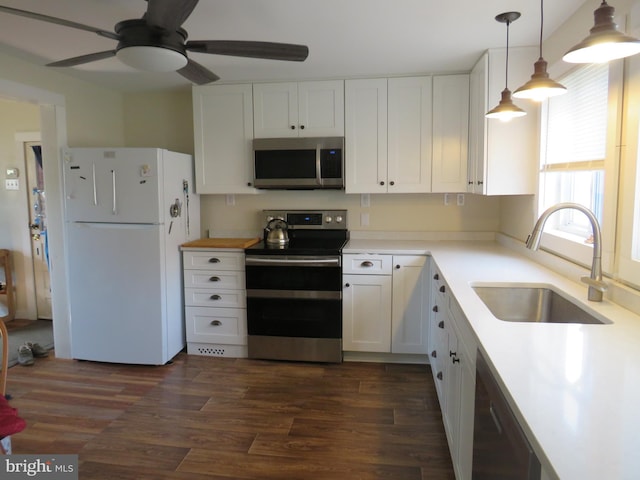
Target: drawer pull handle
(214,279)
(436,277)
(215,297)
(216,323)
(434,354)
(441,324)
(214,260)
(442,289)
(435,308)
(439,375)
(366,264)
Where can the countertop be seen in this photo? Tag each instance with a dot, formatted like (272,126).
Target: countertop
(220,242)
(575,389)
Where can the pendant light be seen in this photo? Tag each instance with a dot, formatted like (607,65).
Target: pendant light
(506,109)
(605,42)
(540,86)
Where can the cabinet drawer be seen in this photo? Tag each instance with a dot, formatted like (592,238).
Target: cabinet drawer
(367,264)
(215,297)
(216,279)
(216,325)
(214,259)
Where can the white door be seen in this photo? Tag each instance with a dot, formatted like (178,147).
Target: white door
(119,185)
(38,227)
(409,129)
(275,110)
(410,318)
(117,293)
(321,109)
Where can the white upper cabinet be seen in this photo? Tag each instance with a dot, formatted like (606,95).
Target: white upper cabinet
(304,109)
(366,135)
(409,134)
(503,156)
(223,134)
(450,133)
(388,135)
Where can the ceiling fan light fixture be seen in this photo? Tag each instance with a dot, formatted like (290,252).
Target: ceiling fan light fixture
(152,58)
(605,42)
(506,109)
(540,86)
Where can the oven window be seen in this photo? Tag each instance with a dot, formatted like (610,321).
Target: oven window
(283,317)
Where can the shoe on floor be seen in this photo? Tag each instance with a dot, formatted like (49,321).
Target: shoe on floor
(25,355)
(37,350)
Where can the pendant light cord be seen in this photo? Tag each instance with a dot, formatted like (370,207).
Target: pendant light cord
(506,70)
(541,24)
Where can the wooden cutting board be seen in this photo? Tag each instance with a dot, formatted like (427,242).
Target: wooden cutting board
(221,243)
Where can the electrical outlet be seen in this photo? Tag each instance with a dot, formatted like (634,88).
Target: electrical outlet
(446,199)
(365,200)
(12,184)
(230,200)
(460,199)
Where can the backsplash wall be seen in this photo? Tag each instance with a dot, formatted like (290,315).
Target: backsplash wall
(239,215)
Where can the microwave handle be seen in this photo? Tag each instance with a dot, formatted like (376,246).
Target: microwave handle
(318,164)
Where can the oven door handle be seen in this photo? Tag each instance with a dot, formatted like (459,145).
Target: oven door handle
(288,262)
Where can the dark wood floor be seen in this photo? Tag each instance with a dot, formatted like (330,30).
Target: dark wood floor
(217,418)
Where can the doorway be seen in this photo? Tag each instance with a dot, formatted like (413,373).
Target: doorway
(37,224)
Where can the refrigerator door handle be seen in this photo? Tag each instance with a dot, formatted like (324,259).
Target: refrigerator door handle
(95,192)
(113,188)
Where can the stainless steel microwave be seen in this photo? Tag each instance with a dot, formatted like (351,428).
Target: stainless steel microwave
(298,163)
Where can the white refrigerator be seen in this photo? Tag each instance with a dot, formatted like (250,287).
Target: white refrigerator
(127,211)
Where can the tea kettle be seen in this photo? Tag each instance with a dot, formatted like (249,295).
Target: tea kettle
(275,233)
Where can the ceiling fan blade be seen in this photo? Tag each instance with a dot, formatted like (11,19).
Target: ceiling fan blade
(92,57)
(197,74)
(59,21)
(238,48)
(168,14)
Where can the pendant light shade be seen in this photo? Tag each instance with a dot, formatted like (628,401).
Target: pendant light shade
(605,42)
(506,109)
(540,86)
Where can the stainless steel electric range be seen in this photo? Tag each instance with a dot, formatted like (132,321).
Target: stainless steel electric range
(294,287)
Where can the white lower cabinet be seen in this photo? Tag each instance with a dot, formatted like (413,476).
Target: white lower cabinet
(384,306)
(453,358)
(215,302)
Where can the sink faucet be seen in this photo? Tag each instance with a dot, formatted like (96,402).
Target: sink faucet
(596,285)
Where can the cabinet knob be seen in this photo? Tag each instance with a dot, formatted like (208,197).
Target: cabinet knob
(470,182)
(434,354)
(214,260)
(439,375)
(366,264)
(480,182)
(392,183)
(435,308)
(381,183)
(441,324)
(301,127)
(397,267)
(436,277)
(215,297)
(442,289)
(249,184)
(293,127)
(216,323)
(347,285)
(214,279)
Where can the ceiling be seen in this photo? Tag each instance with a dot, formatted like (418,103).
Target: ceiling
(346,38)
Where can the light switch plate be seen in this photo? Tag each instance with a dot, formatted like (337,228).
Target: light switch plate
(12,184)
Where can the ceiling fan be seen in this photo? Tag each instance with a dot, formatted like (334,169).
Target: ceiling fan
(156,42)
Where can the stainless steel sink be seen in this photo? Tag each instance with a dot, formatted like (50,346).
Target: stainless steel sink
(527,303)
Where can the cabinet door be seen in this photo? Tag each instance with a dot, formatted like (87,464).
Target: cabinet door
(275,110)
(223,133)
(477,125)
(321,109)
(366,313)
(409,318)
(450,133)
(366,135)
(409,135)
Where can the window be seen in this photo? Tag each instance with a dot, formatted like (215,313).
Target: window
(578,160)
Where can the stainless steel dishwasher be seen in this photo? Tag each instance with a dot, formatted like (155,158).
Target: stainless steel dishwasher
(500,449)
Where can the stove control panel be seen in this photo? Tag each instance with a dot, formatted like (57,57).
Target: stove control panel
(309,219)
